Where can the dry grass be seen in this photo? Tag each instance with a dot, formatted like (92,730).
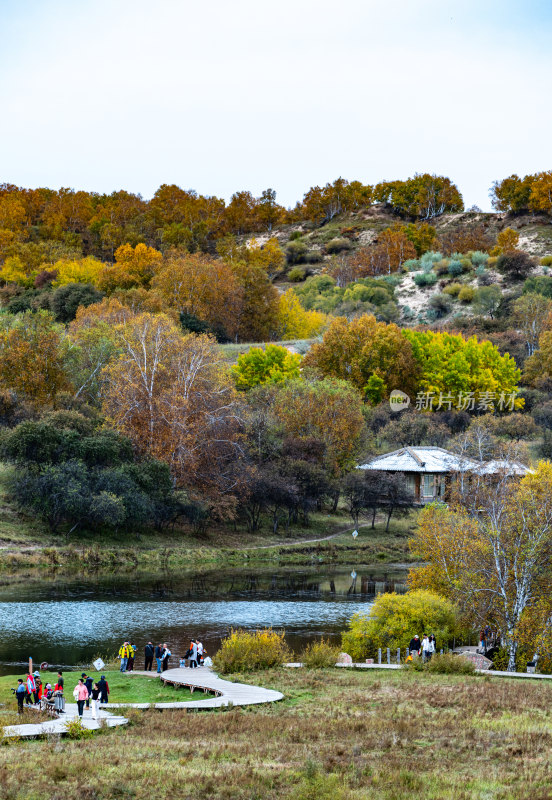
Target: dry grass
(339,734)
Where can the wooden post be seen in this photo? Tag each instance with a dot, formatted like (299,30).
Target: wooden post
(379,655)
(441,651)
(30,665)
(407,652)
(398,655)
(388,656)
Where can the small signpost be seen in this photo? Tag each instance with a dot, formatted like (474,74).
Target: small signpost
(354,534)
(98,664)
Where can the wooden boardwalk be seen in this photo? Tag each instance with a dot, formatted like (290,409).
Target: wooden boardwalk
(492,673)
(58,725)
(204,679)
(201,679)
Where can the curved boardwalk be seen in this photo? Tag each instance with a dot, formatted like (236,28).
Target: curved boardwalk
(202,679)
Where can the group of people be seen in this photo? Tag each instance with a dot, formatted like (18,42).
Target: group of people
(195,656)
(89,693)
(424,647)
(32,691)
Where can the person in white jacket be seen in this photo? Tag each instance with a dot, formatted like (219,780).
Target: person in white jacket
(428,648)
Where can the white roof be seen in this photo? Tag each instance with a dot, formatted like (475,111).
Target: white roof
(421,459)
(501,465)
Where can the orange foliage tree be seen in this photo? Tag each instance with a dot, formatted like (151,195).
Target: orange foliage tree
(32,352)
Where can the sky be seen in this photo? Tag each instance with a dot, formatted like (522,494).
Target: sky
(221,96)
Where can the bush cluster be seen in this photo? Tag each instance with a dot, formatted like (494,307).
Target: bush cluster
(317,655)
(243,651)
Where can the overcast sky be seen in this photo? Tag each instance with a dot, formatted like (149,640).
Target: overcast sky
(222,95)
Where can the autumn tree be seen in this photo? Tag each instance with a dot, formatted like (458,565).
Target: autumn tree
(273,364)
(204,287)
(507,240)
(356,350)
(32,352)
(269,213)
(452,366)
(541,193)
(495,565)
(512,194)
(329,410)
(532,314)
(171,395)
(294,322)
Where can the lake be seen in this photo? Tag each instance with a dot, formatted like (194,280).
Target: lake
(68,621)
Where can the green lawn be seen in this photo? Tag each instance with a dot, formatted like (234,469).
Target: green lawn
(124,688)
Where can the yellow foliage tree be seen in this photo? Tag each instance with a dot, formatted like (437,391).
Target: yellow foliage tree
(84,270)
(296,323)
(14,271)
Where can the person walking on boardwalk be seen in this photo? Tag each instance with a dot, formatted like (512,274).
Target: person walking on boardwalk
(123,655)
(103,686)
(20,693)
(88,683)
(80,693)
(415,645)
(148,657)
(199,652)
(159,656)
(95,697)
(433,642)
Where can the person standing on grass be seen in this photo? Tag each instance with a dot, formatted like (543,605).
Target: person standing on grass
(94,696)
(148,657)
(415,645)
(80,693)
(31,688)
(131,655)
(159,656)
(103,686)
(426,648)
(123,655)
(20,693)
(59,684)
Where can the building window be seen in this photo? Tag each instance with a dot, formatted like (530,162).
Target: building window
(429,485)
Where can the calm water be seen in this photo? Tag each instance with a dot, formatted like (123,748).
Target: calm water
(68,622)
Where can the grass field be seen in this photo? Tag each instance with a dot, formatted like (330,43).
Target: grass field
(338,735)
(124,688)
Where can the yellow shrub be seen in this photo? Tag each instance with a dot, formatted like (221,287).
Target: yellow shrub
(251,650)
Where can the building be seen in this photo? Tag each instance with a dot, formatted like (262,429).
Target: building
(429,472)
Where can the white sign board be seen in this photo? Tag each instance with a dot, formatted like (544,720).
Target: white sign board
(98,664)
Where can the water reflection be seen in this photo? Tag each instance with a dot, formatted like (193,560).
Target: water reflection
(67,622)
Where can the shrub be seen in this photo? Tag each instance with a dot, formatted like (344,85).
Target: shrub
(251,650)
(425,279)
(479,259)
(516,264)
(441,267)
(411,265)
(455,268)
(395,619)
(466,294)
(546,261)
(338,245)
(296,275)
(453,289)
(317,655)
(296,252)
(294,235)
(440,304)
(429,259)
(450,664)
(76,730)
